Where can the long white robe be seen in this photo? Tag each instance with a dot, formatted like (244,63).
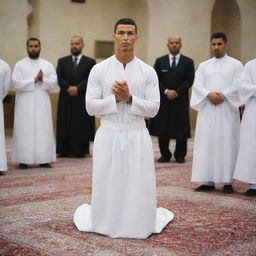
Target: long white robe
(5,80)
(217,128)
(33,139)
(246,161)
(123,200)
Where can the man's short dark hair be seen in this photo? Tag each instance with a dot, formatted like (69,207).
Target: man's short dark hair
(219,35)
(33,39)
(125,21)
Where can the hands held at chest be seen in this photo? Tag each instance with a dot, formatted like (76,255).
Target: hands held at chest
(72,90)
(121,91)
(39,77)
(171,94)
(216,98)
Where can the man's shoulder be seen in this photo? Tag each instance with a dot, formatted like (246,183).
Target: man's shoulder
(47,62)
(251,63)
(185,58)
(21,62)
(4,64)
(235,61)
(161,58)
(206,62)
(65,58)
(87,58)
(144,66)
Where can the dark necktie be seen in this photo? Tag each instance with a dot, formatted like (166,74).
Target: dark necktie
(75,63)
(173,62)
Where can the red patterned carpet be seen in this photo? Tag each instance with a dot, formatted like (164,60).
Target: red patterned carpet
(37,207)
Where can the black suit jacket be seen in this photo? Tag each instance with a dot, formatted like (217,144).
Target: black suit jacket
(172,120)
(74,126)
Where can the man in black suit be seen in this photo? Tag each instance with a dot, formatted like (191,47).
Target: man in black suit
(75,128)
(176,75)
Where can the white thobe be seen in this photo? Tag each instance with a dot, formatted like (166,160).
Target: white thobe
(33,139)
(246,161)
(5,80)
(123,200)
(217,128)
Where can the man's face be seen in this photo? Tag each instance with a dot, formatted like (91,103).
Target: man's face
(33,49)
(174,45)
(125,37)
(76,46)
(219,47)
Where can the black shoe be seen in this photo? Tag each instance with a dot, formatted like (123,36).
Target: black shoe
(62,155)
(180,160)
(80,155)
(205,188)
(228,189)
(47,165)
(250,192)
(163,160)
(2,173)
(23,166)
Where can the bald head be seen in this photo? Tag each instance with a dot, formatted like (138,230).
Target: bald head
(170,38)
(174,45)
(79,38)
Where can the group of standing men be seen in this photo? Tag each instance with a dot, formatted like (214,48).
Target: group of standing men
(33,78)
(220,87)
(218,90)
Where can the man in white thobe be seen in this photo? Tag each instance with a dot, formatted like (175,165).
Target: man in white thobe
(246,161)
(122,91)
(33,139)
(215,97)
(5,80)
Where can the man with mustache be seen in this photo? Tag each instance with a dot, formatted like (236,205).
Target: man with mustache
(215,97)
(33,139)
(176,75)
(75,128)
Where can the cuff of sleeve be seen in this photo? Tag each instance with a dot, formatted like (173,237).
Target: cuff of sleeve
(110,103)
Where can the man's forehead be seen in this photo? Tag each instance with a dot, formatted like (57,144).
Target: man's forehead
(75,40)
(173,39)
(125,27)
(218,40)
(33,42)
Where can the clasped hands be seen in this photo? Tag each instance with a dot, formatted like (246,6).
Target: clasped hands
(216,98)
(121,91)
(72,90)
(171,94)
(39,77)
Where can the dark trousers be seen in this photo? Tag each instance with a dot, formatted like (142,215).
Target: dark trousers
(180,149)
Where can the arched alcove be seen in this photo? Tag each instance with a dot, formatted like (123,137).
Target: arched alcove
(226,17)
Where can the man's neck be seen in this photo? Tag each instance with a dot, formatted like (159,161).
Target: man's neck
(124,57)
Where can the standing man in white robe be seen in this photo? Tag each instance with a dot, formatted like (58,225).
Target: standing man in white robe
(33,139)
(246,161)
(5,81)
(215,97)
(122,91)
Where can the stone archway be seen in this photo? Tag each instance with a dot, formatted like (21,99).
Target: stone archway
(226,17)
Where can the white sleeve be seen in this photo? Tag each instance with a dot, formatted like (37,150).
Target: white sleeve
(199,93)
(19,82)
(149,105)
(231,93)
(49,78)
(247,88)
(6,81)
(95,103)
